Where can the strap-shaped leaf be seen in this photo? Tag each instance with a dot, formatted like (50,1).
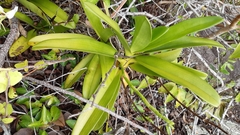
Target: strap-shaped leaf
(169,55)
(183,28)
(158,32)
(90,116)
(77,44)
(181,76)
(78,71)
(187,41)
(142,34)
(236,53)
(34,9)
(53,11)
(89,7)
(92,77)
(106,64)
(96,24)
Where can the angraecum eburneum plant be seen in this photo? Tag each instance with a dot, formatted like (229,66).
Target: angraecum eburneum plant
(152,52)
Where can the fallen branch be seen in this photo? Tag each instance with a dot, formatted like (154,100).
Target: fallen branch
(12,36)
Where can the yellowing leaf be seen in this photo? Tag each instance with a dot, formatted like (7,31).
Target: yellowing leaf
(14,77)
(3,81)
(23,64)
(9,109)
(12,93)
(7,120)
(21,45)
(7,74)
(40,64)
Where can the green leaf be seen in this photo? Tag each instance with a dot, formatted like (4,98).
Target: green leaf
(89,7)
(34,9)
(183,28)
(21,90)
(187,41)
(78,71)
(55,113)
(90,117)
(54,11)
(142,69)
(42,132)
(181,76)
(77,44)
(169,55)
(146,82)
(197,73)
(71,123)
(180,96)
(142,34)
(25,120)
(41,38)
(237,98)
(169,98)
(44,116)
(106,63)
(92,77)
(135,82)
(36,124)
(95,21)
(169,86)
(236,53)
(158,32)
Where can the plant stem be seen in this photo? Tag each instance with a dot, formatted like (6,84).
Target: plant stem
(169,122)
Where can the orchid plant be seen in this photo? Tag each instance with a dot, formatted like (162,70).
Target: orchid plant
(10,14)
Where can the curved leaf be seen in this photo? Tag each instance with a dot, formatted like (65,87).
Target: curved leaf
(77,44)
(91,8)
(181,76)
(106,64)
(96,24)
(53,11)
(139,68)
(188,41)
(169,55)
(183,28)
(142,34)
(236,53)
(158,32)
(21,45)
(78,71)
(90,117)
(41,38)
(92,77)
(34,9)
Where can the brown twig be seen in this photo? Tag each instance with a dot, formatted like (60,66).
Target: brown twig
(118,8)
(234,25)
(195,114)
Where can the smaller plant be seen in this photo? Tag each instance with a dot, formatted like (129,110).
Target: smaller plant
(227,66)
(5,112)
